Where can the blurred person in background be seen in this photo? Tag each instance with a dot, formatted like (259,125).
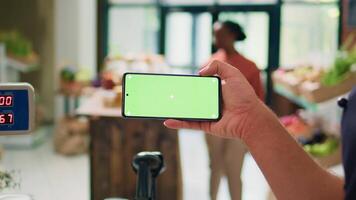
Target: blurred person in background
(226,155)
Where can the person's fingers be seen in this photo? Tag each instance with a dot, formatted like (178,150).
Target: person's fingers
(222,69)
(177,124)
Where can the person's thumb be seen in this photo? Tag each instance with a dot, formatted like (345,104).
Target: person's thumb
(221,69)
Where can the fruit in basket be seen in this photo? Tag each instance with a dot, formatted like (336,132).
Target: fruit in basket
(83,76)
(322,149)
(107,81)
(96,83)
(296,126)
(107,84)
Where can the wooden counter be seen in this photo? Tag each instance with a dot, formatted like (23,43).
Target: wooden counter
(114,142)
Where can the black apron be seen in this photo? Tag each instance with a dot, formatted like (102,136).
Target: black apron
(348,130)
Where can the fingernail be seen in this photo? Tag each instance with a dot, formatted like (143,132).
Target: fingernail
(165,123)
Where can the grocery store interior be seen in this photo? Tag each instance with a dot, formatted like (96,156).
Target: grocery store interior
(75,52)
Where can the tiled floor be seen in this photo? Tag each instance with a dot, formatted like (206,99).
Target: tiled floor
(196,171)
(48,176)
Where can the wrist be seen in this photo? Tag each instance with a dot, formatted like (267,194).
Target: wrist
(259,120)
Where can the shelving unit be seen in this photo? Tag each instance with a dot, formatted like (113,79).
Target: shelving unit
(20,66)
(7,63)
(300,101)
(327,111)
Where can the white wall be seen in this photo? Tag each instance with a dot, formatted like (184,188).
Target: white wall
(66,31)
(75,38)
(75,33)
(87,33)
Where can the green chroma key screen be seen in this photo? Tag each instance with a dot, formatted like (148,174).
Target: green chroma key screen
(171,96)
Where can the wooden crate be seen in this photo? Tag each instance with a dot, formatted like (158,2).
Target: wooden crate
(317,93)
(331,160)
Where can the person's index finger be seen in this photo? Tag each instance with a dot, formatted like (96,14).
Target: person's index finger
(222,69)
(178,124)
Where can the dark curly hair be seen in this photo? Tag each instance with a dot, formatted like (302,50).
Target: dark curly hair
(236,29)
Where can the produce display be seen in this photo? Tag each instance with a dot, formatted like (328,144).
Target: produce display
(68,74)
(325,148)
(297,127)
(16,43)
(72,80)
(18,47)
(315,84)
(313,140)
(292,79)
(343,64)
(108,80)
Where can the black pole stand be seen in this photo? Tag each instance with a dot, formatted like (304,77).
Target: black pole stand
(147,165)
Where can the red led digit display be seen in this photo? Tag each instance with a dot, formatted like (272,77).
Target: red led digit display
(6,100)
(6,118)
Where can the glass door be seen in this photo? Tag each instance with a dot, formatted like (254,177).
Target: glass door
(188,39)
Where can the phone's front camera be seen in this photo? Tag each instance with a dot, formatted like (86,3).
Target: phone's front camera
(127,95)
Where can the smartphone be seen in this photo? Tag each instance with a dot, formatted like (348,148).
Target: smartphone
(170,96)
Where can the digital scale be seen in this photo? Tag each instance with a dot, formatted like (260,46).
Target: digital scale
(16,108)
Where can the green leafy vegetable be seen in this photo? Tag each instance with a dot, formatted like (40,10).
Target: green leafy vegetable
(342,64)
(16,43)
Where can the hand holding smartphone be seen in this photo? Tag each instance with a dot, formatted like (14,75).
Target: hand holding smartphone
(168,96)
